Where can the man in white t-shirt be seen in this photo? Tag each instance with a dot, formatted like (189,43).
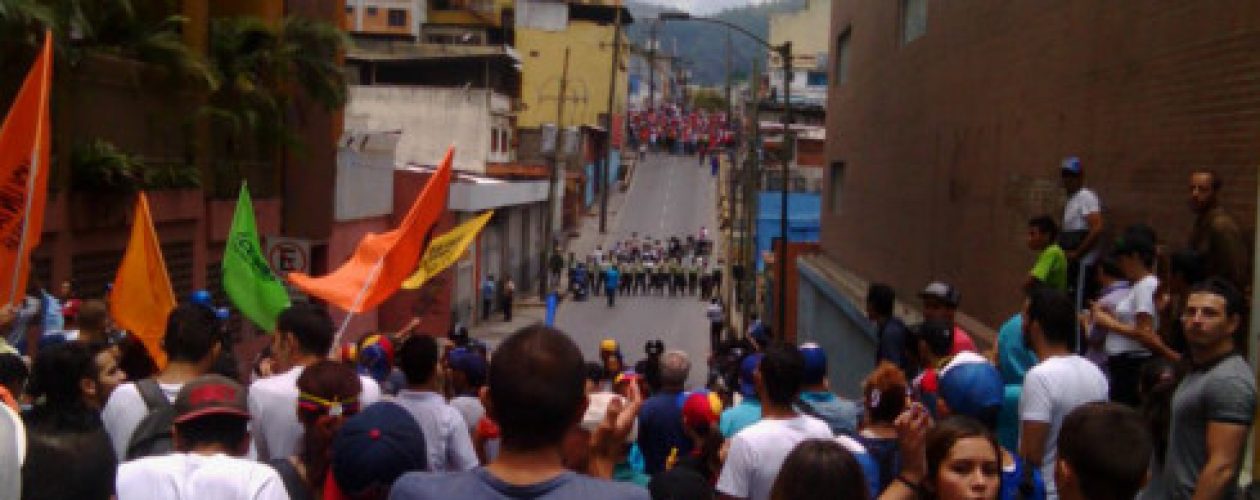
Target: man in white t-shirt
(304,335)
(211,440)
(1081,229)
(1058,384)
(757,452)
(191,346)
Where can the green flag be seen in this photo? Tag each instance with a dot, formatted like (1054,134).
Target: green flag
(247,279)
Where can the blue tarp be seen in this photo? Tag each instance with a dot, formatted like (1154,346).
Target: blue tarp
(804,212)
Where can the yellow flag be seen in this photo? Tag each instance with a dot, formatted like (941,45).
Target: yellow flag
(142,297)
(446,250)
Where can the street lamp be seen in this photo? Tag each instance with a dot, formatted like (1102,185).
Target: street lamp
(785,52)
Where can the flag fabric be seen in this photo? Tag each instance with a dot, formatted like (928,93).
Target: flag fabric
(24,148)
(382,261)
(446,250)
(142,298)
(247,279)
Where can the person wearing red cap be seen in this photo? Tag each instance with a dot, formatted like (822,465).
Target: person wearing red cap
(693,474)
(211,439)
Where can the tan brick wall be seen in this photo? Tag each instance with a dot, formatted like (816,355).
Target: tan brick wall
(952,141)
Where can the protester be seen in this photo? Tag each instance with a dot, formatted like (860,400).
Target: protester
(1113,289)
(1103,453)
(757,452)
(535,394)
(374,448)
(467,375)
(68,383)
(488,293)
(940,303)
(508,297)
(65,463)
(304,335)
(1132,336)
(1059,383)
(13,377)
(328,395)
(1185,269)
(445,430)
(1159,381)
(586,451)
(375,358)
(191,347)
(819,469)
(1215,403)
(891,335)
(884,396)
(693,474)
(1051,268)
(748,411)
(12,451)
(717,321)
(211,439)
(1014,359)
(660,419)
(817,400)
(1082,228)
(963,461)
(1216,236)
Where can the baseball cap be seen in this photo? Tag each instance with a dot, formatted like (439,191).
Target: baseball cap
(701,407)
(971,389)
(468,362)
(210,395)
(376,446)
(597,410)
(748,366)
(1071,165)
(608,345)
(815,362)
(943,291)
(376,357)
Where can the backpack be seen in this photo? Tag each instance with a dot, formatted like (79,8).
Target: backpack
(153,435)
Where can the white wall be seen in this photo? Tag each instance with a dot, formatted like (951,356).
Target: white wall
(365,175)
(431,119)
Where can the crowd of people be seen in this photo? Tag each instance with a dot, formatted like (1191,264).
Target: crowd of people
(675,267)
(671,129)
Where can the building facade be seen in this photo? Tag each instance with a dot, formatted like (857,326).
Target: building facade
(807,30)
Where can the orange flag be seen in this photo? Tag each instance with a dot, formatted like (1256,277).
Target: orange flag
(382,261)
(142,297)
(24,147)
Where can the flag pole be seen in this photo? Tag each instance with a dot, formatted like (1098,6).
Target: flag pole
(358,302)
(35,165)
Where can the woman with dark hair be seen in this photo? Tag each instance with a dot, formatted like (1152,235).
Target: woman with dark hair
(328,394)
(819,469)
(884,398)
(963,460)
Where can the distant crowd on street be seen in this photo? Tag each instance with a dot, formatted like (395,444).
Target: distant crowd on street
(670,129)
(674,267)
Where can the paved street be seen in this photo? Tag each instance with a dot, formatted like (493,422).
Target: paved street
(670,195)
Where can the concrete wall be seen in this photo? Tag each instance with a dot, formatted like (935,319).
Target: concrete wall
(837,323)
(431,119)
(589,63)
(955,138)
(365,170)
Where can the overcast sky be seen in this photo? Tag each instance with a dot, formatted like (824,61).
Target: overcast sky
(703,7)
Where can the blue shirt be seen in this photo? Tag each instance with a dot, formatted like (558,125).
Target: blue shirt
(842,416)
(480,484)
(736,418)
(660,431)
(1011,480)
(1014,361)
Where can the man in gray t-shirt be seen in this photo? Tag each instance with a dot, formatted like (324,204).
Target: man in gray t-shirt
(1214,405)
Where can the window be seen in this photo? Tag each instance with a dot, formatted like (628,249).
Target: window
(397,17)
(349,9)
(371,11)
(842,58)
(494,140)
(913,20)
(835,187)
(816,79)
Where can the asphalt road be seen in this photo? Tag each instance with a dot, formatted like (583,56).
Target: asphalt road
(670,195)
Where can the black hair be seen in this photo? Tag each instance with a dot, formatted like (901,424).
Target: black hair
(782,370)
(1189,265)
(938,335)
(1088,441)
(310,324)
(53,455)
(881,298)
(1139,240)
(13,374)
(819,469)
(58,370)
(1220,287)
(1055,312)
(418,359)
(191,333)
(228,431)
(536,387)
(594,372)
(1110,267)
(1045,225)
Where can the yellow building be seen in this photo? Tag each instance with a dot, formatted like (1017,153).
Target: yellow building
(808,30)
(543,31)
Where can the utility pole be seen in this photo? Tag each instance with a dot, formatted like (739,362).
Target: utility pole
(752,176)
(728,74)
(554,221)
(651,65)
(612,100)
(789,144)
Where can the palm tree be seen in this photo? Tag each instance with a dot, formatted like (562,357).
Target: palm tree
(261,70)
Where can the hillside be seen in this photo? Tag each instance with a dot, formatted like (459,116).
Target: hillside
(704,44)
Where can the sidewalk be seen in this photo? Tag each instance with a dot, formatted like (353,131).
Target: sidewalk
(527,310)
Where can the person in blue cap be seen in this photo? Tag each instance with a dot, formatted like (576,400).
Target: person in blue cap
(748,411)
(976,390)
(817,400)
(1082,228)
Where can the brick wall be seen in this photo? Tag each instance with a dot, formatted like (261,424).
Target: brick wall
(952,141)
